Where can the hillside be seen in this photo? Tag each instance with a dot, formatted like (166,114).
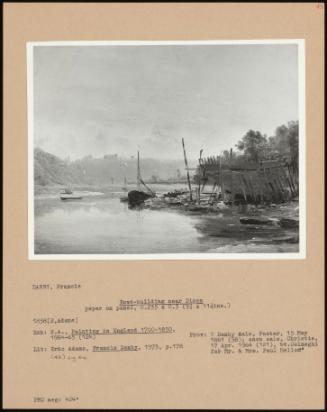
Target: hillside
(50,170)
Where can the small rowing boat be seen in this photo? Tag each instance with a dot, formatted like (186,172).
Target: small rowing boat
(67,194)
(70,197)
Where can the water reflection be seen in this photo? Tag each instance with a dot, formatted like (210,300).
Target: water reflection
(104,225)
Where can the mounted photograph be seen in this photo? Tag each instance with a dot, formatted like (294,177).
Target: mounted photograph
(166,150)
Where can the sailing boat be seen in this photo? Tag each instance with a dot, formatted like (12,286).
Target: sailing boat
(67,194)
(138,196)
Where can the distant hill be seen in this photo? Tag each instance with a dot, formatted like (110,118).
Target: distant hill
(50,170)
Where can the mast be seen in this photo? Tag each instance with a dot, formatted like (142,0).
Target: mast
(188,175)
(139,178)
(138,171)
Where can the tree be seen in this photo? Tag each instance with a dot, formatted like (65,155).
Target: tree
(225,155)
(253,145)
(281,139)
(293,141)
(286,139)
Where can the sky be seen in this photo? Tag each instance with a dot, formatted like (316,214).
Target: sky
(97,100)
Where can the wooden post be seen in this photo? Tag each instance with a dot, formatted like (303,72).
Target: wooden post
(280,184)
(261,185)
(231,175)
(222,187)
(291,178)
(287,179)
(251,186)
(187,172)
(232,185)
(199,187)
(213,191)
(220,180)
(242,180)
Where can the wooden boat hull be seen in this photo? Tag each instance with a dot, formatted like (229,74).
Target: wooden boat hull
(137,196)
(70,197)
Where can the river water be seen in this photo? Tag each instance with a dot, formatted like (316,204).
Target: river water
(101,224)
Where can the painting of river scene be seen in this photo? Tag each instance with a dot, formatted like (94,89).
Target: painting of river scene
(174,150)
